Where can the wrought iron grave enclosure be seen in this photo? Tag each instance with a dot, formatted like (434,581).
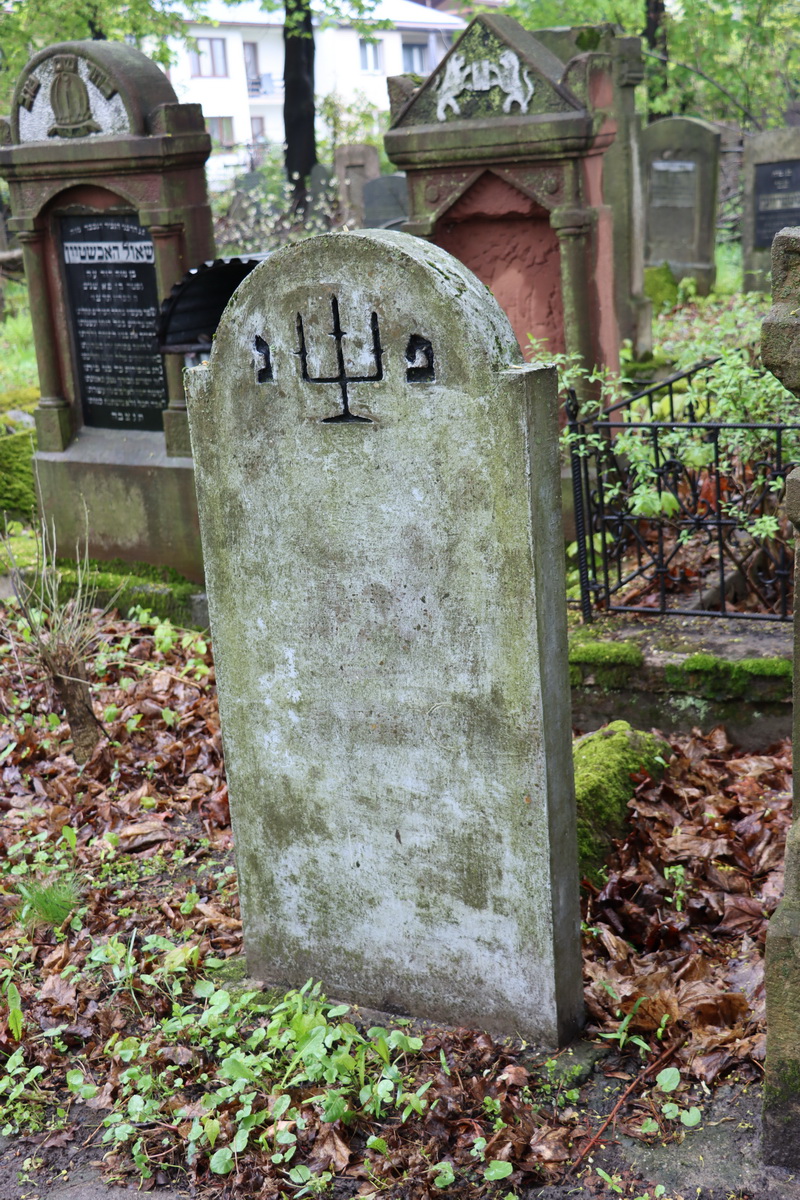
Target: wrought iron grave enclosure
(677,513)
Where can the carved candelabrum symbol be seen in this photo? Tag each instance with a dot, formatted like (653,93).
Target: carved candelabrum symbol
(341,377)
(419,362)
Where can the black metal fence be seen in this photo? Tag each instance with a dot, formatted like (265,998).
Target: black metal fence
(677,513)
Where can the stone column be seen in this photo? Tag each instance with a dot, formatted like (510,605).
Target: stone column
(780,348)
(53,423)
(168,242)
(573,227)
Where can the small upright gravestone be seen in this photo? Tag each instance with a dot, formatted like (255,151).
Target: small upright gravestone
(680,165)
(780,349)
(771,198)
(378,483)
(386,201)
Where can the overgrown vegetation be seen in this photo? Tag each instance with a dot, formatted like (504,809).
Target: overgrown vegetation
(119,913)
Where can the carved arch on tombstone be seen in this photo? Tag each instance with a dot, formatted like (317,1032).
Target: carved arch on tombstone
(503,232)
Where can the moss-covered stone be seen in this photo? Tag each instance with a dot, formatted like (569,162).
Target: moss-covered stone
(610,663)
(605,761)
(661,287)
(17,490)
(23,398)
(716,678)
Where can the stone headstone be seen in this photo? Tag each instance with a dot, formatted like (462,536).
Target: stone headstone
(385,202)
(378,485)
(108,199)
(680,166)
(354,165)
(780,350)
(502,147)
(771,199)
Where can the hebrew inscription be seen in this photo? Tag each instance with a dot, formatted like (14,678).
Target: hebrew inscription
(113,305)
(481,76)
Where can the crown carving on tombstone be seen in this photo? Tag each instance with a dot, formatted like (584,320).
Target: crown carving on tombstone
(69,99)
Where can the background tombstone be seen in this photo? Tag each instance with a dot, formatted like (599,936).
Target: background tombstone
(354,165)
(771,198)
(680,164)
(503,150)
(780,350)
(378,484)
(386,202)
(108,196)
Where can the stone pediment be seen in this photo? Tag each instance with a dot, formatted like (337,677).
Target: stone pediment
(496,70)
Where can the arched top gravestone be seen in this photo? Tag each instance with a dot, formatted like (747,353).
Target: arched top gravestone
(378,484)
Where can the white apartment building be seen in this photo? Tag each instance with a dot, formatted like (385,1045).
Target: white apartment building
(236,71)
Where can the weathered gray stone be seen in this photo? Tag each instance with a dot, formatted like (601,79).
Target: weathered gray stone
(680,166)
(385,201)
(387,607)
(780,331)
(354,165)
(771,198)
(781,1112)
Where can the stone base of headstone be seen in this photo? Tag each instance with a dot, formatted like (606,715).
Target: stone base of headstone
(781,1117)
(52,427)
(142,503)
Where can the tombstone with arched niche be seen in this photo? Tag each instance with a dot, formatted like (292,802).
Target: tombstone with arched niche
(108,198)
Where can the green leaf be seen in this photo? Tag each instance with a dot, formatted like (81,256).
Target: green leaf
(445,1175)
(498,1170)
(691,1116)
(668,1079)
(280,1106)
(377,1143)
(300,1173)
(670,1110)
(221,1161)
(70,836)
(240,1141)
(211,1130)
(649,1125)
(604,1175)
(204,988)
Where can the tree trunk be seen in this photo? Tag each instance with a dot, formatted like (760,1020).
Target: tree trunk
(73,692)
(298,102)
(655,35)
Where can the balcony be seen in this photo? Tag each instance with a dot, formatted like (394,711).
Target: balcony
(263,85)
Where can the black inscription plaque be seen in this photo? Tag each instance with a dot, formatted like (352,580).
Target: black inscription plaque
(111,284)
(777,200)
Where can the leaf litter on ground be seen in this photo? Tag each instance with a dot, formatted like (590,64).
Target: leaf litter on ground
(117,1010)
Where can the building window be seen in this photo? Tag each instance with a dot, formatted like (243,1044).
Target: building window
(370,55)
(415,58)
(221,130)
(209,58)
(250,59)
(257,129)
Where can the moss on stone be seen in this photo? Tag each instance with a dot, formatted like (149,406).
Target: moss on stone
(610,663)
(17,489)
(23,398)
(661,287)
(720,679)
(604,763)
